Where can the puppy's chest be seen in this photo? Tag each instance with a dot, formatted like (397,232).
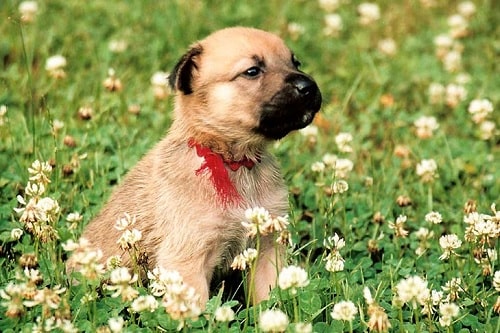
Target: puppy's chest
(256,189)
(261,186)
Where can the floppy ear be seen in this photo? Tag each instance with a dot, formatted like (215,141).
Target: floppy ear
(182,75)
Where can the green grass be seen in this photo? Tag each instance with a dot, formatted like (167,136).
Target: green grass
(373,96)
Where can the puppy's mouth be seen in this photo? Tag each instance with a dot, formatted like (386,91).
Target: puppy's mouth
(291,108)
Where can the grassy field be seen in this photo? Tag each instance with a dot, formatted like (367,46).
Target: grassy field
(393,225)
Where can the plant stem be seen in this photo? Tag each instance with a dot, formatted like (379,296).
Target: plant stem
(401,330)
(296,309)
(429,198)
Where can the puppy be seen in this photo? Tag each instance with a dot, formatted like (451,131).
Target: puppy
(236,91)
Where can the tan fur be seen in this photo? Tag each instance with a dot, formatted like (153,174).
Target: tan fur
(183,226)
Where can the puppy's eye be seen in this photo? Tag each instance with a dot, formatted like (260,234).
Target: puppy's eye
(296,61)
(252,72)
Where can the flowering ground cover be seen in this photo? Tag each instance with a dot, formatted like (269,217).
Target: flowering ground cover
(392,223)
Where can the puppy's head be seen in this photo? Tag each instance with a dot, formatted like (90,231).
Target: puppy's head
(243,84)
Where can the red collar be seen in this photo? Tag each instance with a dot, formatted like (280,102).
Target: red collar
(219,176)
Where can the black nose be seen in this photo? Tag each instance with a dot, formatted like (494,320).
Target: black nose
(303,84)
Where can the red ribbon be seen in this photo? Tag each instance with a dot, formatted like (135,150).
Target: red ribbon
(219,176)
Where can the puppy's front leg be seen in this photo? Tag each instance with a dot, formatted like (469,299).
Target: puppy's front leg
(269,263)
(193,273)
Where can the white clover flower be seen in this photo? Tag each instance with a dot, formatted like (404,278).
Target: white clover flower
(433,217)
(121,281)
(455,94)
(181,302)
(309,131)
(466,8)
(443,42)
(34,189)
(334,242)
(452,61)
(343,141)
(343,167)
(496,281)
(447,312)
(117,45)
(160,279)
(426,126)
(276,224)
(71,245)
(74,218)
(303,328)
(448,309)
(116,324)
(487,130)
(125,222)
(329,5)
(334,262)
(55,66)
(66,326)
(129,238)
(112,83)
(480,109)
(46,297)
(344,310)
(486,227)
(16,234)
(144,303)
(113,262)
(31,212)
(258,220)
(445,321)
(3,112)
(496,214)
(224,314)
(318,167)
(387,47)
(340,186)
(436,93)
(473,218)
(122,275)
(436,297)
(489,256)
(449,243)
(367,295)
(50,207)
(273,321)
(295,29)
(369,13)
(453,287)
(413,290)
(33,275)
(292,277)
(379,320)
(329,160)
(426,170)
(159,82)
(159,79)
(246,258)
(428,3)
(333,25)
(39,172)
(458,26)
(462,79)
(424,233)
(399,226)
(28,11)
(13,295)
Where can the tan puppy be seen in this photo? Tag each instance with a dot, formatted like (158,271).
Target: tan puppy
(236,91)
